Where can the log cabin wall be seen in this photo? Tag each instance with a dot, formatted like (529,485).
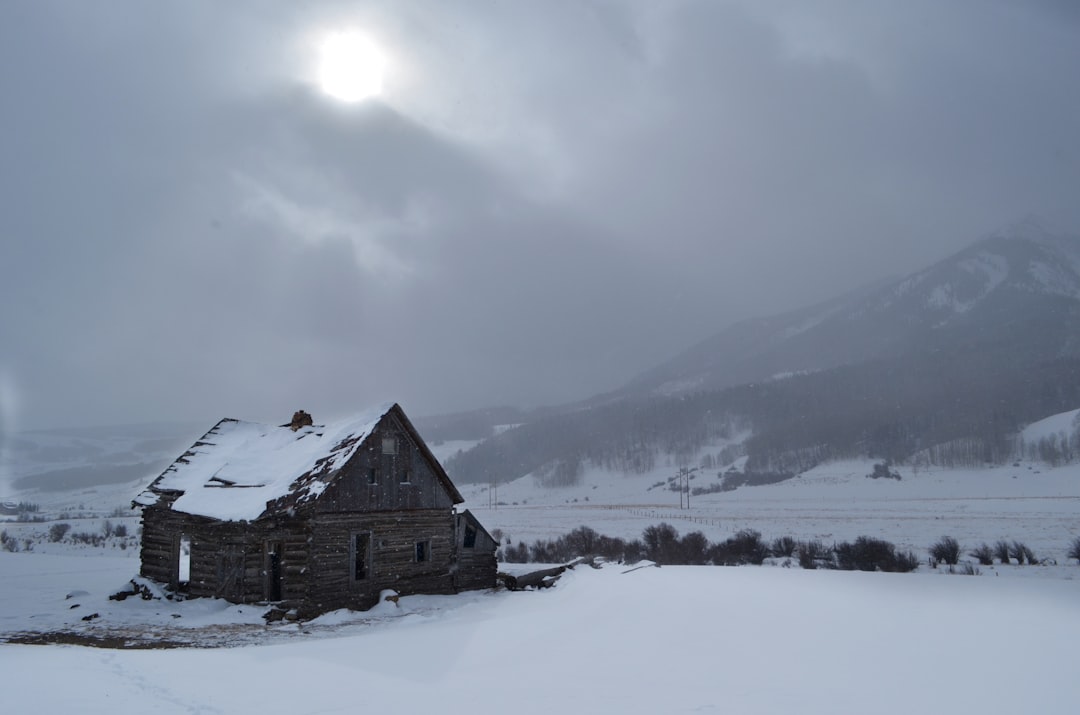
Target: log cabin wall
(227,559)
(476,564)
(393,562)
(159,552)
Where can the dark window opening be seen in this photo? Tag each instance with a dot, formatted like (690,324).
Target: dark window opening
(423,551)
(273,571)
(372,475)
(389,445)
(406,475)
(470,536)
(361,548)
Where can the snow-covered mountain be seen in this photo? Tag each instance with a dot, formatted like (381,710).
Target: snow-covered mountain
(1017,291)
(941,366)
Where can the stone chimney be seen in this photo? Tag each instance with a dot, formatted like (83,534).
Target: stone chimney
(300,419)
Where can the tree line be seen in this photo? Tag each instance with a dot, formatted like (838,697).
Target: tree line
(944,410)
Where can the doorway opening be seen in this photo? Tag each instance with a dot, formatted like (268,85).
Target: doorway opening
(183,565)
(273,571)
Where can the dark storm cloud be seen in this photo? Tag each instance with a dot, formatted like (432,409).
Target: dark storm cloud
(552,197)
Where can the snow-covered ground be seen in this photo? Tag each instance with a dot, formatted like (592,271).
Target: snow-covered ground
(651,640)
(1063,424)
(654,640)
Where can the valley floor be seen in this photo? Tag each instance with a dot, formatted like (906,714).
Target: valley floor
(1035,504)
(672,639)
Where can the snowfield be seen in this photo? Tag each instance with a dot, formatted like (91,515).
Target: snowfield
(654,640)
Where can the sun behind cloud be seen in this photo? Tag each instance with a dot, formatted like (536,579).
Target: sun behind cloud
(351,67)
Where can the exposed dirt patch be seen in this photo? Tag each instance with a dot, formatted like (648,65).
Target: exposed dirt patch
(94,641)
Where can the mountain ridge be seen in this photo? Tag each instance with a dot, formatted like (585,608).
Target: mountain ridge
(944,364)
(1017,266)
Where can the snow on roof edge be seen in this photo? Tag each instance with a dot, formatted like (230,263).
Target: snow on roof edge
(237,469)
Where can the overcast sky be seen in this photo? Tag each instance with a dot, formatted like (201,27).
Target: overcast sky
(548,197)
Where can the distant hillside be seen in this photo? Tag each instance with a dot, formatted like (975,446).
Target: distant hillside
(69,459)
(1016,292)
(943,366)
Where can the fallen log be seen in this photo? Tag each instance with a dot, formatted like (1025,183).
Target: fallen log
(544,578)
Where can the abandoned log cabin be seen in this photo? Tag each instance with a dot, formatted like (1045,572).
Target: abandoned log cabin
(313,517)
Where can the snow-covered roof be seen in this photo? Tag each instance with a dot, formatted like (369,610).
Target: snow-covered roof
(238,469)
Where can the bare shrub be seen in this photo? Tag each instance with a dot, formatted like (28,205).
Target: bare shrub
(634,551)
(883,470)
(870,554)
(1001,551)
(583,541)
(984,554)
(84,537)
(783,547)
(545,552)
(661,543)
(516,554)
(812,553)
(1019,551)
(58,530)
(906,562)
(946,550)
(694,547)
(746,547)
(1074,550)
(121,530)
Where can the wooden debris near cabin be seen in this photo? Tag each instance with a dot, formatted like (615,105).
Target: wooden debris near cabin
(642,566)
(543,578)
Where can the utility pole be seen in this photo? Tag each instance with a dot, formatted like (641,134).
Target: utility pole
(684,484)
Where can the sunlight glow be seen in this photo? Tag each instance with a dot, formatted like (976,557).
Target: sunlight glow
(350,67)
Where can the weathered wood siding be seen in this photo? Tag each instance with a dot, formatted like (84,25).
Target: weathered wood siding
(393,563)
(476,564)
(375,481)
(228,559)
(160,547)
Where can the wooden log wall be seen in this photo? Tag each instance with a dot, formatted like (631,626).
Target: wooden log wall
(228,559)
(393,562)
(476,566)
(160,541)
